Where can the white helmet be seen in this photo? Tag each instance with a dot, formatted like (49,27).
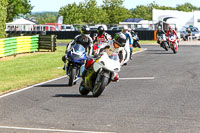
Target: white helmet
(125,27)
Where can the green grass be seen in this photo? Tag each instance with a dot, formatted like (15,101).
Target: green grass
(147,42)
(30,69)
(25,70)
(64,40)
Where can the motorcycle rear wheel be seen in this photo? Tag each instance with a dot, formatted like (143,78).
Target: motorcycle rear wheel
(82,89)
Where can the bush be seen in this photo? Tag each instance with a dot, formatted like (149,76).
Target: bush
(3,14)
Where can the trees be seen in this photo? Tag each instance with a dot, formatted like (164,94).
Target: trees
(3,14)
(44,17)
(145,12)
(72,13)
(187,7)
(16,7)
(115,11)
(94,14)
(89,12)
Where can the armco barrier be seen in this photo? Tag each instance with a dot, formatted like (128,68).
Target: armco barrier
(16,45)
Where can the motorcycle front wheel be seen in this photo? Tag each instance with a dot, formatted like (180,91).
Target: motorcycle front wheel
(100,85)
(72,76)
(137,44)
(174,49)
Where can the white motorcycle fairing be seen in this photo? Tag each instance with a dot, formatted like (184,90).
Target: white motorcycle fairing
(107,63)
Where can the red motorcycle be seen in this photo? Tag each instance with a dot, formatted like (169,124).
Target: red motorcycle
(172,40)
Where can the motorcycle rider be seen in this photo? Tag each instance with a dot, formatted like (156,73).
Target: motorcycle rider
(100,38)
(129,38)
(172,32)
(159,33)
(113,46)
(83,39)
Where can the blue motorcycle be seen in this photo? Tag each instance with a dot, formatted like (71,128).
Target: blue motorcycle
(76,63)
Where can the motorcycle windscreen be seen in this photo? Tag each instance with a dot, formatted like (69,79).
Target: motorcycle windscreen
(114,57)
(78,48)
(78,51)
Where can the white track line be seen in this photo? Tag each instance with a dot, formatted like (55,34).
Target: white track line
(142,78)
(14,92)
(50,130)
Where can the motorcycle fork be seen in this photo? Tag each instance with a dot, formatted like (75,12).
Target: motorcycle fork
(89,78)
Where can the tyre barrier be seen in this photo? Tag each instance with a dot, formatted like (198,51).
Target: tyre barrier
(16,45)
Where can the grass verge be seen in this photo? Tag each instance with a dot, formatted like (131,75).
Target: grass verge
(22,71)
(28,69)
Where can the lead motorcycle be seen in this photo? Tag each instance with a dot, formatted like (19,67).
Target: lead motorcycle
(76,61)
(163,41)
(100,72)
(172,40)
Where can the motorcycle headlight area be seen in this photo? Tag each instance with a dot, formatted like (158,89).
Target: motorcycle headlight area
(76,56)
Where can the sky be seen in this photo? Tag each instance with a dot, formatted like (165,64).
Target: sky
(54,5)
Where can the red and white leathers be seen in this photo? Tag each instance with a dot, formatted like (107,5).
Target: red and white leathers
(172,33)
(99,40)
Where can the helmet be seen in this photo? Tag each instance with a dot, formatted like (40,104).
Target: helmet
(159,27)
(125,27)
(85,29)
(120,39)
(100,30)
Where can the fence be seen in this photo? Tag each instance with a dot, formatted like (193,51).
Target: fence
(143,34)
(16,45)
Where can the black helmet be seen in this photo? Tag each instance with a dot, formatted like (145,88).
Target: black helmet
(120,39)
(100,30)
(85,29)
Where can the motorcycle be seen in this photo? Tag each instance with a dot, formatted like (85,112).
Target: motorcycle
(76,63)
(99,73)
(163,42)
(135,40)
(172,43)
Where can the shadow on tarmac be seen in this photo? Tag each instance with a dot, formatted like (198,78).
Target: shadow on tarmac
(73,96)
(54,85)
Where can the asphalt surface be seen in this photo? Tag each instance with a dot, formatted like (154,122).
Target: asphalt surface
(167,102)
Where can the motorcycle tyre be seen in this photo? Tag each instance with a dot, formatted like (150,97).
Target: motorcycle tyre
(82,89)
(104,82)
(72,76)
(165,47)
(137,44)
(173,49)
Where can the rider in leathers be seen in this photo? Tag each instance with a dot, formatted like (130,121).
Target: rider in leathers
(113,46)
(100,38)
(83,39)
(159,33)
(172,32)
(129,44)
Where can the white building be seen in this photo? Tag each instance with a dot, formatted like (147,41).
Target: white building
(179,18)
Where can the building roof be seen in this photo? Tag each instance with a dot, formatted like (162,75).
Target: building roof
(137,20)
(21,21)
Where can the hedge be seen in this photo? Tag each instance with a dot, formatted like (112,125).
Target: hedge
(3,15)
